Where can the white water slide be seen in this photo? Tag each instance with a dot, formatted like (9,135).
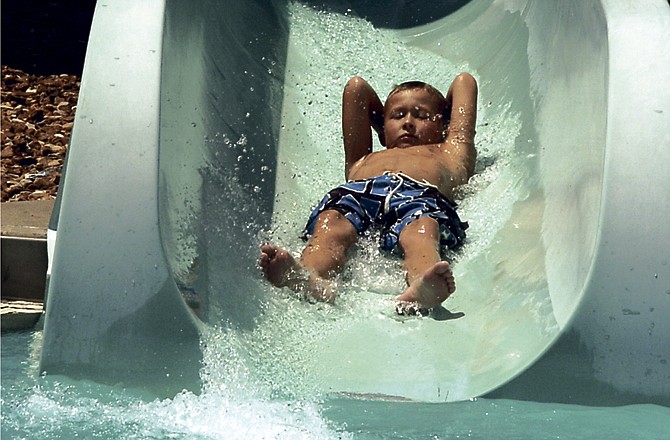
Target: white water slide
(192,145)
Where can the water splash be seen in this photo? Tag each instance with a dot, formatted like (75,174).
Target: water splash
(270,336)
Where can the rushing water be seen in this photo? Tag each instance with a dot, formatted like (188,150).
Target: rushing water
(362,343)
(261,381)
(59,408)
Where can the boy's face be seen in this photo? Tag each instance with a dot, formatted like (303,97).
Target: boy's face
(411,118)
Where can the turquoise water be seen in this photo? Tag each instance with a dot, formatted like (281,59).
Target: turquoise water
(60,408)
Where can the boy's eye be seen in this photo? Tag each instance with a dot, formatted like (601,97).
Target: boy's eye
(416,113)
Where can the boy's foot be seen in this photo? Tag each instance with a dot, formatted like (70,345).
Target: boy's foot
(282,270)
(433,287)
(279,267)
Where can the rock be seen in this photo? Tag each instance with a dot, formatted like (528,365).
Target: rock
(37,119)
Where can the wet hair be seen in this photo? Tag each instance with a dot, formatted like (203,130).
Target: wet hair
(413,85)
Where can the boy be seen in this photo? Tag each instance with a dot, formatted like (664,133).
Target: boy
(406,189)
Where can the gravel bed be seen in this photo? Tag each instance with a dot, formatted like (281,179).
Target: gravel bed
(37,117)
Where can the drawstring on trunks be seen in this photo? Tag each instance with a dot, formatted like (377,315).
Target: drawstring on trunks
(402,178)
(387,199)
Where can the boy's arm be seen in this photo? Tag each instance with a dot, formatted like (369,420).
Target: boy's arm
(460,142)
(361,109)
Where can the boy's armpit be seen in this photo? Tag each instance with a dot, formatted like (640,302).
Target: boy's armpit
(461,156)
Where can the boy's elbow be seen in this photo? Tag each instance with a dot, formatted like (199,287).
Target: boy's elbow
(467,78)
(466,83)
(358,89)
(357,82)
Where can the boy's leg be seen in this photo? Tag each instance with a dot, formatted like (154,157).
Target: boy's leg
(322,258)
(326,251)
(430,280)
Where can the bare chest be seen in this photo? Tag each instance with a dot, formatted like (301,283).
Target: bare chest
(420,163)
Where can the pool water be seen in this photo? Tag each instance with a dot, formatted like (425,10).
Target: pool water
(52,407)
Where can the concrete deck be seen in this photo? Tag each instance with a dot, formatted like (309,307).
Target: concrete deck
(24,261)
(26,219)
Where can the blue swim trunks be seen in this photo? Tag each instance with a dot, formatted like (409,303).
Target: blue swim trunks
(391,202)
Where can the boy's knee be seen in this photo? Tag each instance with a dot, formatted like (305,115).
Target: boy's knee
(420,230)
(336,225)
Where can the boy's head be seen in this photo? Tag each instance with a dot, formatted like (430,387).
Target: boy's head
(414,114)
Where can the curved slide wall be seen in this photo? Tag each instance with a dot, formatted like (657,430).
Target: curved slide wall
(181,110)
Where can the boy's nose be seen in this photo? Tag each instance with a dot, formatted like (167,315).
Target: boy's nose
(408,123)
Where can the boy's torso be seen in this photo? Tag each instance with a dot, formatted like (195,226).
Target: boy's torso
(425,162)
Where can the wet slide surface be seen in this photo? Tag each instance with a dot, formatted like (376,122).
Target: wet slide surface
(212,116)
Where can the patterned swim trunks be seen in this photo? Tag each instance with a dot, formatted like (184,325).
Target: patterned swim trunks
(391,202)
